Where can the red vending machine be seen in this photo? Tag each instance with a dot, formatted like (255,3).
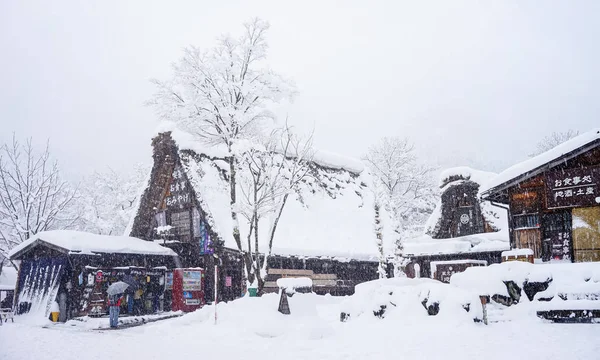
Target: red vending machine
(188,289)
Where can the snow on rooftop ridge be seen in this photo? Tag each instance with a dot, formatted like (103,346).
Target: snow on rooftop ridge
(87,243)
(465,173)
(338,162)
(186,141)
(426,245)
(544,158)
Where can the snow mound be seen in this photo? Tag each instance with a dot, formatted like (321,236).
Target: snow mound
(570,281)
(294,283)
(405,299)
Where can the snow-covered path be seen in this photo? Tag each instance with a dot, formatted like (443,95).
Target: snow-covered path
(252,328)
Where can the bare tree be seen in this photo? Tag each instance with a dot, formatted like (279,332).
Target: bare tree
(275,171)
(222,95)
(33,197)
(553,140)
(403,187)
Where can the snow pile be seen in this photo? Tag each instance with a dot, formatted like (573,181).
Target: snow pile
(517,252)
(464,173)
(579,281)
(404,299)
(294,283)
(426,245)
(312,331)
(8,278)
(86,243)
(542,159)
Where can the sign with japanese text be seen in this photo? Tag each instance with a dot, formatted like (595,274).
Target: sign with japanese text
(573,188)
(179,192)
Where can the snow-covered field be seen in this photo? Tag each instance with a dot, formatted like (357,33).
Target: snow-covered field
(252,328)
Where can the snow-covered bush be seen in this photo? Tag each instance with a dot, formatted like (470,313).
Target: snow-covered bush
(404,298)
(513,282)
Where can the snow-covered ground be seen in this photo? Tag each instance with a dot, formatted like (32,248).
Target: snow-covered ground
(252,328)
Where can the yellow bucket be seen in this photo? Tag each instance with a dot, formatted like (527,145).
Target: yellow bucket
(54,316)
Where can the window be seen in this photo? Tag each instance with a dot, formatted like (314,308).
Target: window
(161,219)
(181,223)
(528,221)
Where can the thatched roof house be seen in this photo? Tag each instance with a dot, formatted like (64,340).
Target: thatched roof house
(329,217)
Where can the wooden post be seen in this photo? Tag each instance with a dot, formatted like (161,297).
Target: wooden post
(216,290)
(284,306)
(483,299)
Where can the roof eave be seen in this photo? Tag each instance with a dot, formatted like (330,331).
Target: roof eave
(540,169)
(20,253)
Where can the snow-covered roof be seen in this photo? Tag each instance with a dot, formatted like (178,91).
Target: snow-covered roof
(535,165)
(334,219)
(465,173)
(78,242)
(8,278)
(425,245)
(331,215)
(186,141)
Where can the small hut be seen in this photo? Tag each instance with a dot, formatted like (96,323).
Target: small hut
(75,268)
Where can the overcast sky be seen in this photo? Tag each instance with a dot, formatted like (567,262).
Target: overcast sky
(471,83)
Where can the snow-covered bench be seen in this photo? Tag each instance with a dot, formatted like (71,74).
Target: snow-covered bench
(6,314)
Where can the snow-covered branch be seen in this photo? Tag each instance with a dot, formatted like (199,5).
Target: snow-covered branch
(33,197)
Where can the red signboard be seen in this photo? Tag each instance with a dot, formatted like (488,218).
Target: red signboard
(188,289)
(99,276)
(228,281)
(573,188)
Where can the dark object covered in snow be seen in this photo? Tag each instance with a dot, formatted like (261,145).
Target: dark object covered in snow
(284,306)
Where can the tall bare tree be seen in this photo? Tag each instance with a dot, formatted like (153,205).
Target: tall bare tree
(272,173)
(33,197)
(403,187)
(553,140)
(222,96)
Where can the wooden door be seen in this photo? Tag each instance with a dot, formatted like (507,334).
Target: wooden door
(529,239)
(586,234)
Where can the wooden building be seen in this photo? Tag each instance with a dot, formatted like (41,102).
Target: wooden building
(75,268)
(554,201)
(186,206)
(463,230)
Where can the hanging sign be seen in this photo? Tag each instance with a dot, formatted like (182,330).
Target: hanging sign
(99,276)
(179,192)
(573,188)
(228,281)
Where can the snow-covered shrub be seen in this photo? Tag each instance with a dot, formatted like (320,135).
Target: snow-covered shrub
(405,298)
(507,283)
